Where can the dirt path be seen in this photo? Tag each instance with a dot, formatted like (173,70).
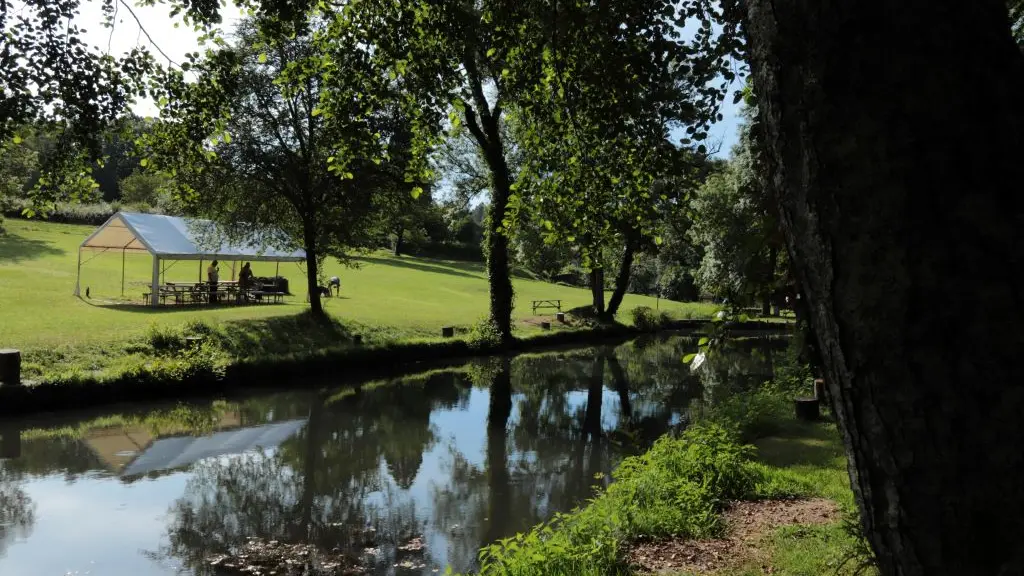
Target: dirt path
(746,524)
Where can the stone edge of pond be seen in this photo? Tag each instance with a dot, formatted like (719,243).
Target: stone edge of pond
(347,366)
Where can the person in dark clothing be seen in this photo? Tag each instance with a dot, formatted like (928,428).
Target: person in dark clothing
(213,277)
(244,282)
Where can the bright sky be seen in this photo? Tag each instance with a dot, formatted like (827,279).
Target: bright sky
(176,42)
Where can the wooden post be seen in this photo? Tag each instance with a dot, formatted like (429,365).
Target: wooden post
(545,325)
(819,389)
(560,316)
(10,367)
(448,331)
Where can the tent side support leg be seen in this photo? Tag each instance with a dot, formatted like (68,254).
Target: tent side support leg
(122,270)
(154,295)
(78,274)
(200,270)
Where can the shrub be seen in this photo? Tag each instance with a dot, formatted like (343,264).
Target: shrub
(164,339)
(484,335)
(647,319)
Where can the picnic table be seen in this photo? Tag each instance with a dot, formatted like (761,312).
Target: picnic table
(183,293)
(556,304)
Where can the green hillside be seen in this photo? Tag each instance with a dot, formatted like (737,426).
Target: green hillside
(410,296)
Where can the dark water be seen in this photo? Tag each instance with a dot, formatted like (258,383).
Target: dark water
(457,457)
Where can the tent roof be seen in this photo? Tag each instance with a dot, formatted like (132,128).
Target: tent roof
(178,452)
(175,238)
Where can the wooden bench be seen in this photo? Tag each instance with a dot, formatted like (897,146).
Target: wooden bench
(556,304)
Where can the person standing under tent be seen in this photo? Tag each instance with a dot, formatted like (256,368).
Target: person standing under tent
(213,276)
(244,282)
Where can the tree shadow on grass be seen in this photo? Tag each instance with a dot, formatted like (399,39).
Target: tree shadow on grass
(15,248)
(815,444)
(293,334)
(434,266)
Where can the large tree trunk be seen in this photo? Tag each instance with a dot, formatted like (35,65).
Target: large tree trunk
(399,240)
(621,281)
(312,275)
(597,291)
(894,134)
(498,274)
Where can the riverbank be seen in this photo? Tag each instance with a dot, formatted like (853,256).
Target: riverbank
(747,489)
(198,359)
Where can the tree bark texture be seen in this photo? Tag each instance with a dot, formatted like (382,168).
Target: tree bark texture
(597,291)
(312,275)
(498,274)
(621,281)
(399,240)
(895,141)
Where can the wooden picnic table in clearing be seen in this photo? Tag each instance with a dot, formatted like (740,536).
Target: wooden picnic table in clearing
(556,304)
(182,293)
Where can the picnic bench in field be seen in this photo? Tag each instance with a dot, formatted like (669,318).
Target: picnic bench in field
(538,304)
(181,294)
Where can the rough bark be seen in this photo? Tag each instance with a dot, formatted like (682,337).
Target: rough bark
(621,281)
(498,274)
(483,122)
(399,240)
(312,274)
(894,134)
(597,291)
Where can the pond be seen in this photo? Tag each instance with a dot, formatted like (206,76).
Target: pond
(408,475)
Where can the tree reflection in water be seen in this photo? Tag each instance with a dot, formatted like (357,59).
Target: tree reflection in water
(354,478)
(17,510)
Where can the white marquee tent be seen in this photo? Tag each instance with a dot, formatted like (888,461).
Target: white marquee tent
(174,238)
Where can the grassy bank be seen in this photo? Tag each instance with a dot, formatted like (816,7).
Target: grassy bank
(203,359)
(680,489)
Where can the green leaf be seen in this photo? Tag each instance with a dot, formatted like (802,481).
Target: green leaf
(227,138)
(703,341)
(688,358)
(144,162)
(262,58)
(416,191)
(17,139)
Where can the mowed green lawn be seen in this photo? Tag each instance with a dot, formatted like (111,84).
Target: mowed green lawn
(412,296)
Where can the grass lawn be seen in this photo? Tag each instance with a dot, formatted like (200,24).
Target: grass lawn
(404,297)
(809,455)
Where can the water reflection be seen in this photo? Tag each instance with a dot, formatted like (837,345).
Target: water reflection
(408,476)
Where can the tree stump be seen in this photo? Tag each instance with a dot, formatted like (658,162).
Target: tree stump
(819,389)
(447,331)
(10,367)
(560,317)
(807,409)
(545,325)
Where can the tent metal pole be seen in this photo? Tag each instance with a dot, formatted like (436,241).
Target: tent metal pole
(200,270)
(154,296)
(78,274)
(233,270)
(122,270)
(277,270)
